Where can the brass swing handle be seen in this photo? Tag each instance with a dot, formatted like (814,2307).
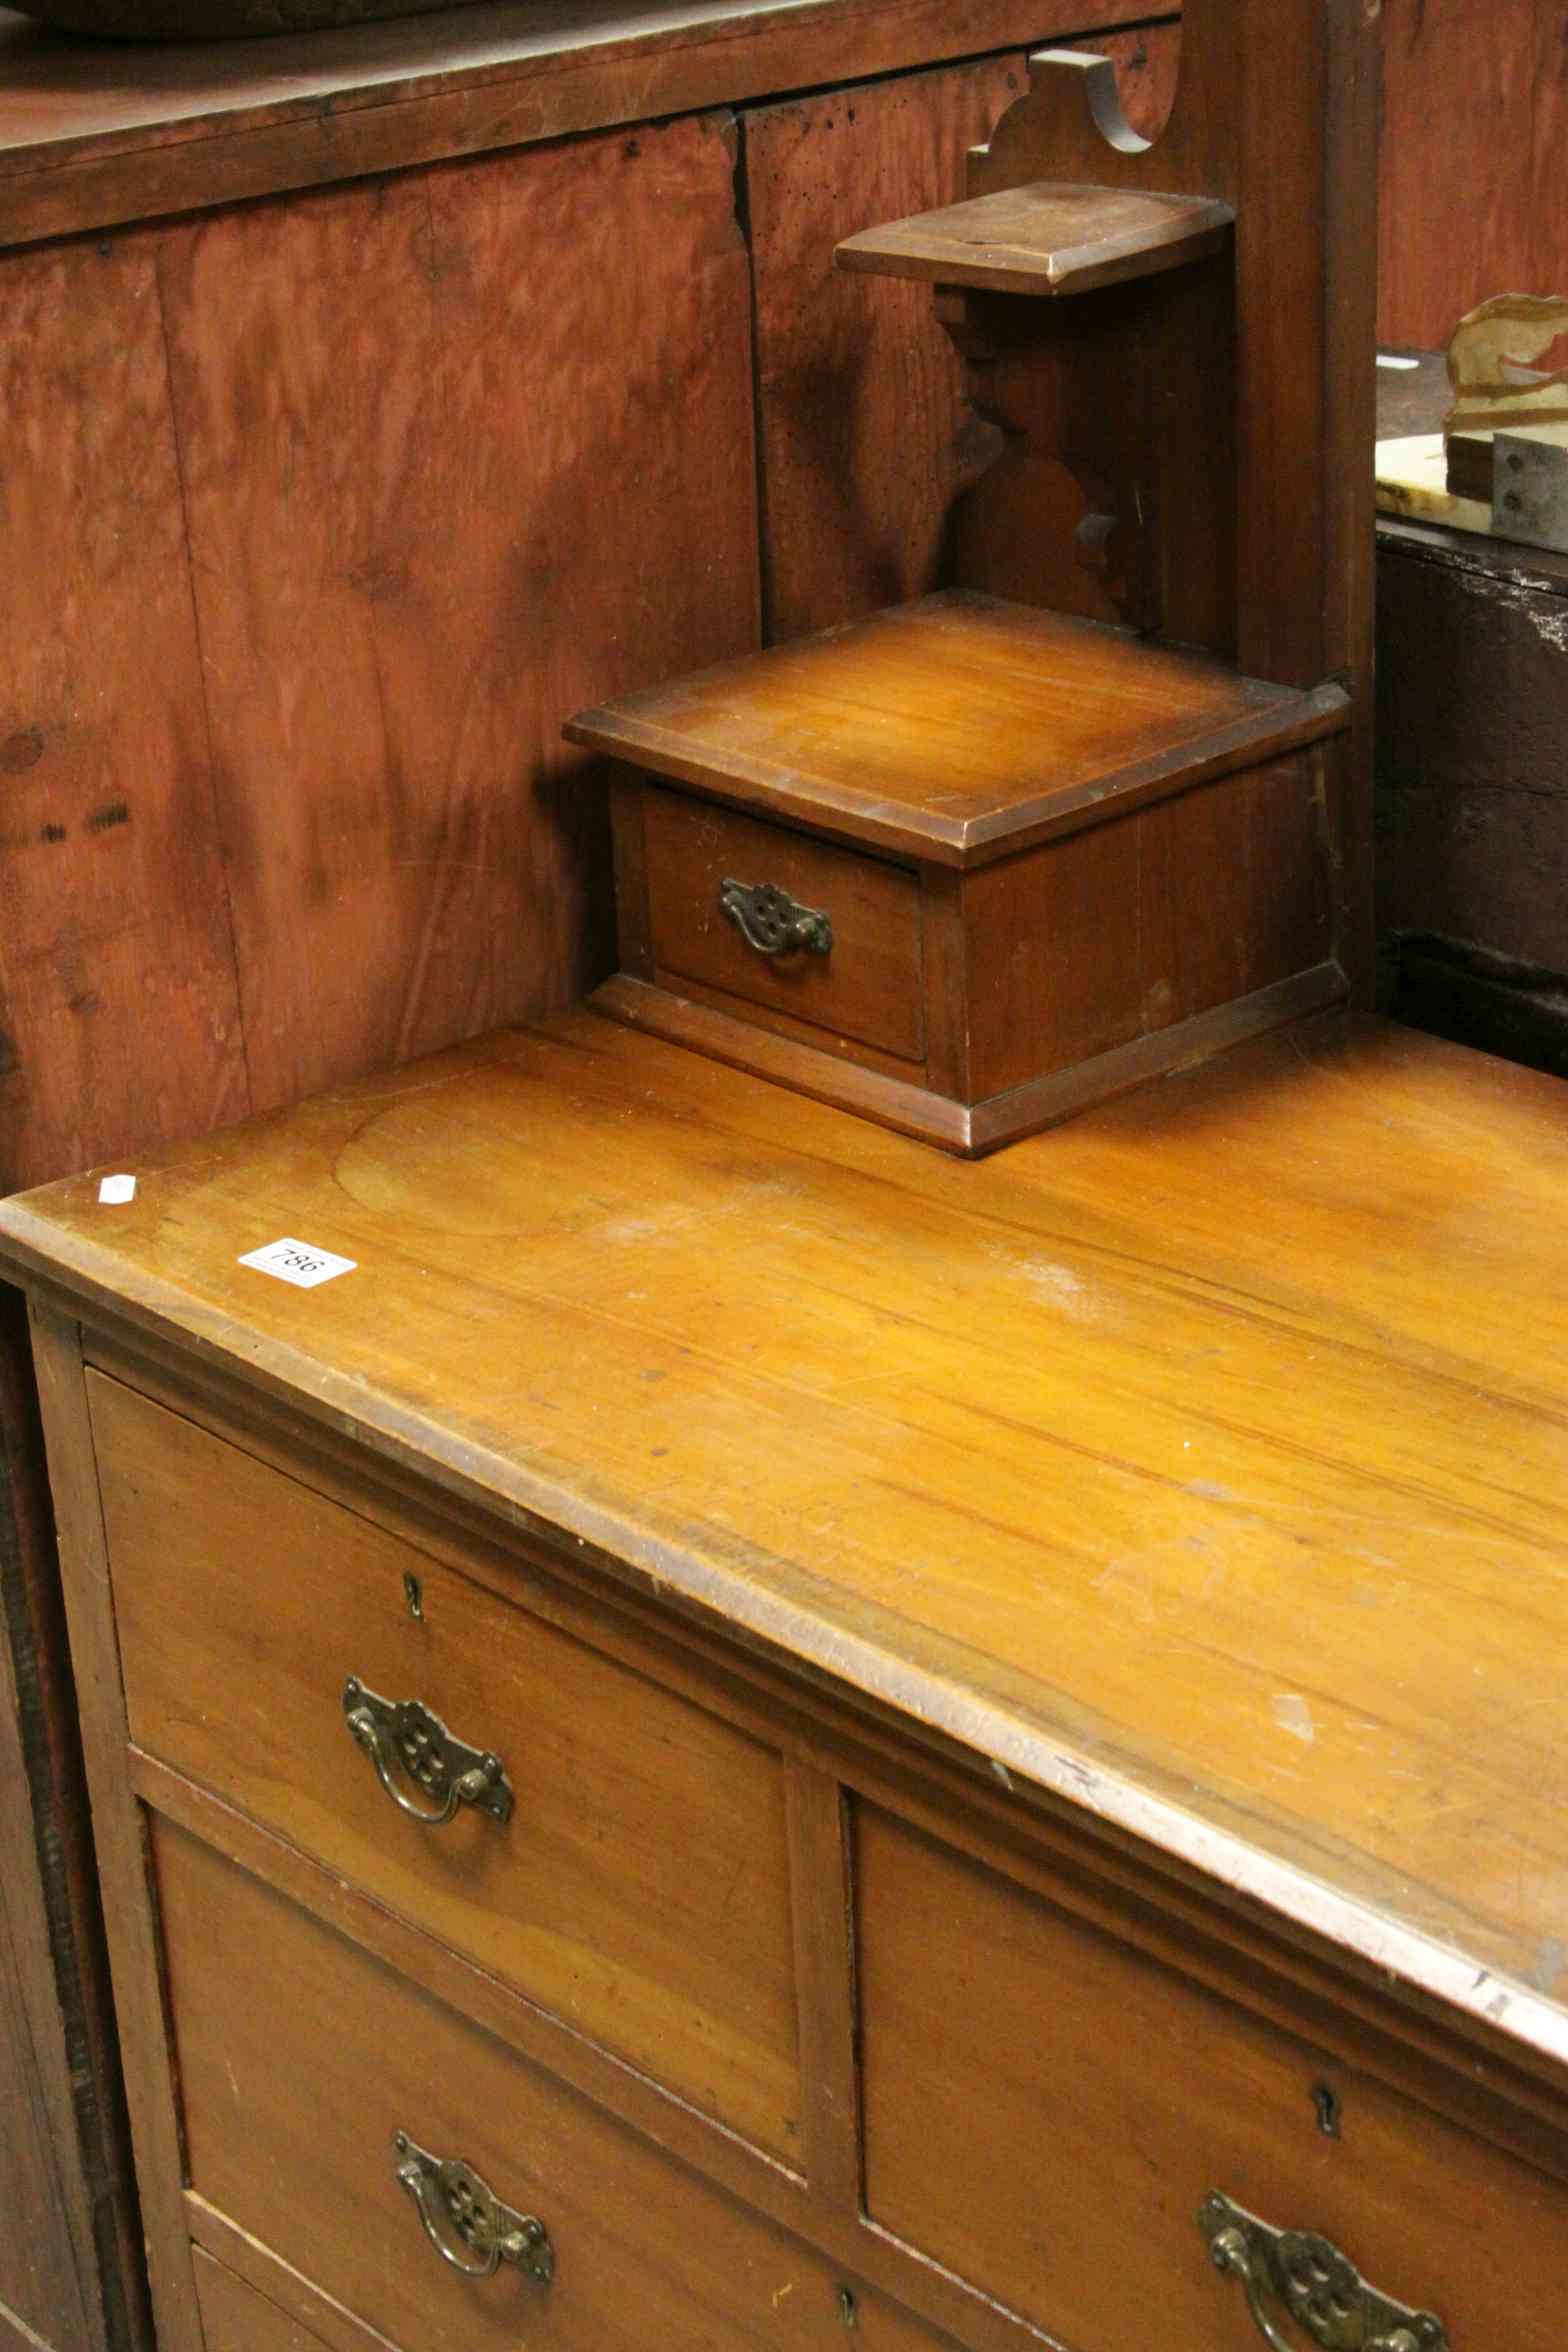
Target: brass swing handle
(464,2219)
(403,1736)
(1320,2287)
(772,922)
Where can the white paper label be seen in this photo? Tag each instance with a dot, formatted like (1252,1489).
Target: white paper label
(297,1262)
(115,1191)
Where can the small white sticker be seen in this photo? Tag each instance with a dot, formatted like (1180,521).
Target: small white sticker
(297,1262)
(1395,359)
(115,1191)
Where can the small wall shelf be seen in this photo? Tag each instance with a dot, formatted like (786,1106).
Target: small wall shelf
(1045,239)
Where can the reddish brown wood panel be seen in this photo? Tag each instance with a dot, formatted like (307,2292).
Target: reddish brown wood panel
(866,433)
(118,1019)
(1471,164)
(84,142)
(461,451)
(69,2251)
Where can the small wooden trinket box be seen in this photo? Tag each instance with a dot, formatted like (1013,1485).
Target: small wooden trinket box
(966,866)
(977,861)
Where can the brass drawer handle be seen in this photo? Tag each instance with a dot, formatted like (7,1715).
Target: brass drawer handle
(772,922)
(403,1733)
(464,2219)
(1321,2288)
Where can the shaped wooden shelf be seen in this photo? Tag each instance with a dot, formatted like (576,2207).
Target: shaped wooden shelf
(1045,239)
(967,865)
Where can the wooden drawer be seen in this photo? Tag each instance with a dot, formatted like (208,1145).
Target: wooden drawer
(867,987)
(299,2059)
(1046,2111)
(640,1889)
(235,2318)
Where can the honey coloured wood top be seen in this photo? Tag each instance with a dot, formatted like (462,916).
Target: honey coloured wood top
(959,728)
(1044,239)
(1204,1462)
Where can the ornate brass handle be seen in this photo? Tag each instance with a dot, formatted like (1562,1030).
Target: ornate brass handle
(403,1732)
(772,922)
(1320,2288)
(464,2219)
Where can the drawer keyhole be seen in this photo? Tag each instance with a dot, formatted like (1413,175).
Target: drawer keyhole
(1326,2100)
(848,2308)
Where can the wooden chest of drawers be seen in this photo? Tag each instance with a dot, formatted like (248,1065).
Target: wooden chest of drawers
(824,1927)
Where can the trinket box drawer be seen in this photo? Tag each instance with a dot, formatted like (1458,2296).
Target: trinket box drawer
(1106,2146)
(613,1851)
(801,930)
(321,2098)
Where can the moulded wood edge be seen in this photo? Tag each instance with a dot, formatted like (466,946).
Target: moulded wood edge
(1256,737)
(941,247)
(1045,1102)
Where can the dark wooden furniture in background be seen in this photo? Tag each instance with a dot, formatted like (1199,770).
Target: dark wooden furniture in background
(1028,1706)
(1472,799)
(983,858)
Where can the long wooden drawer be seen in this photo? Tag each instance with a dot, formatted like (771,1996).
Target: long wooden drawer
(1048,2112)
(300,2060)
(640,1888)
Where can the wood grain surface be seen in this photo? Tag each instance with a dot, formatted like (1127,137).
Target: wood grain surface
(1201,1462)
(1028,2085)
(277,2016)
(640,1889)
(1043,240)
(957,729)
(69,2250)
(1468,158)
(84,142)
(448,467)
(866,435)
(113,907)
(235,2318)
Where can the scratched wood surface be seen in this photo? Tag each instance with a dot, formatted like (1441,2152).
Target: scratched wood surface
(113,924)
(866,436)
(1202,1461)
(458,450)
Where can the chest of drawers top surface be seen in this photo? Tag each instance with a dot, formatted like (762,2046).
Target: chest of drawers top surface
(1202,1465)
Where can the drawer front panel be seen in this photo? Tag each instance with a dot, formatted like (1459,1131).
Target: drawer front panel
(1046,2110)
(640,1887)
(867,987)
(300,2059)
(235,2318)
